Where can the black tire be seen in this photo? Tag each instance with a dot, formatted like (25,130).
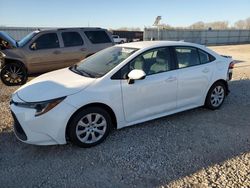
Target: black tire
(14,74)
(122,42)
(212,97)
(90,130)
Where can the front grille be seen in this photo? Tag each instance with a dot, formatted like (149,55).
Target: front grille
(18,129)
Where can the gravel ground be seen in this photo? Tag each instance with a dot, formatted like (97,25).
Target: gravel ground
(196,148)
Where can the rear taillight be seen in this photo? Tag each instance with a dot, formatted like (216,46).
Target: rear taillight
(230,70)
(231,65)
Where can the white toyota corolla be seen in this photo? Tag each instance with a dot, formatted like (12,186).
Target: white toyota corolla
(118,87)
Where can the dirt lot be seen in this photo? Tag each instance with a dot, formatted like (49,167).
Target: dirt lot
(196,148)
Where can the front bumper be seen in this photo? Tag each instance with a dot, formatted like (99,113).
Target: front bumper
(47,129)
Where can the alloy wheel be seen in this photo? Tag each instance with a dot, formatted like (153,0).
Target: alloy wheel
(217,96)
(13,74)
(91,128)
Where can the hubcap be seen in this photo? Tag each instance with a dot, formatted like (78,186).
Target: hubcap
(91,128)
(217,96)
(13,74)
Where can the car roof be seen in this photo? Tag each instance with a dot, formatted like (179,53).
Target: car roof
(155,44)
(72,28)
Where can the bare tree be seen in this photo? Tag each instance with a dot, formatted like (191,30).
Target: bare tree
(129,29)
(197,25)
(239,24)
(213,25)
(242,24)
(218,25)
(248,23)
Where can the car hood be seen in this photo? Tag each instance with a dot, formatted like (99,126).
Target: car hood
(6,37)
(53,85)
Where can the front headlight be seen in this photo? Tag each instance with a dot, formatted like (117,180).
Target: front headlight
(41,107)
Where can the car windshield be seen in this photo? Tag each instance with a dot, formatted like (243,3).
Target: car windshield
(27,38)
(102,62)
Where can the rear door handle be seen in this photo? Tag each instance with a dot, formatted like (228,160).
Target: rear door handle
(57,52)
(171,79)
(206,70)
(83,49)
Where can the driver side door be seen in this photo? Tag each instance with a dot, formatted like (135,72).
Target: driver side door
(154,95)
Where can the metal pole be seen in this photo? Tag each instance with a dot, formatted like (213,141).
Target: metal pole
(158,32)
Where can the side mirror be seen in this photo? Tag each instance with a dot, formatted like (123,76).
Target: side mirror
(33,46)
(136,74)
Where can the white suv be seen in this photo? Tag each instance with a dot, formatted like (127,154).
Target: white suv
(118,87)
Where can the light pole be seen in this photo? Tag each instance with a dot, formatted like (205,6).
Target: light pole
(157,24)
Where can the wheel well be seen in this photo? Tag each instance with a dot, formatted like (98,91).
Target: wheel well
(99,105)
(7,61)
(89,55)
(225,84)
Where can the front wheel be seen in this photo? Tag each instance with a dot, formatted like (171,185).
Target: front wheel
(215,96)
(89,127)
(13,74)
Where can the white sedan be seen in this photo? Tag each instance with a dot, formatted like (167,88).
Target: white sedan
(117,87)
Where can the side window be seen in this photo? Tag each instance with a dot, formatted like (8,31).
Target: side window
(152,62)
(98,37)
(187,56)
(46,41)
(72,39)
(205,57)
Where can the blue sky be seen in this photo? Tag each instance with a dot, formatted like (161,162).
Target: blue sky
(119,13)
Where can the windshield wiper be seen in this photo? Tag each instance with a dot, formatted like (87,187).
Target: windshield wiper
(81,72)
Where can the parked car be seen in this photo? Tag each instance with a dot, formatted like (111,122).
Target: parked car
(117,87)
(119,40)
(47,50)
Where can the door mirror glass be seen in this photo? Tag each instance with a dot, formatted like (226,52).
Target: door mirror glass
(136,74)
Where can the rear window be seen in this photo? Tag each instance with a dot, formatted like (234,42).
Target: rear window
(72,39)
(97,37)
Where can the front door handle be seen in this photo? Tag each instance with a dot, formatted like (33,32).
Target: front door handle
(171,79)
(206,70)
(83,49)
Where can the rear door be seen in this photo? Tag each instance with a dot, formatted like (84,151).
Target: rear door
(74,48)
(194,75)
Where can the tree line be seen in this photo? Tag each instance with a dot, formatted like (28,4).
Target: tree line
(241,24)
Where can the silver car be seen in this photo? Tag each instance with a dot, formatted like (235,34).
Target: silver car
(47,50)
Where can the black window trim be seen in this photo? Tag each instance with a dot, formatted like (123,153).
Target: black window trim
(71,32)
(118,76)
(100,30)
(41,34)
(211,57)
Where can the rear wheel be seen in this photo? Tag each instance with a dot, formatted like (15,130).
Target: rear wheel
(13,74)
(216,96)
(89,127)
